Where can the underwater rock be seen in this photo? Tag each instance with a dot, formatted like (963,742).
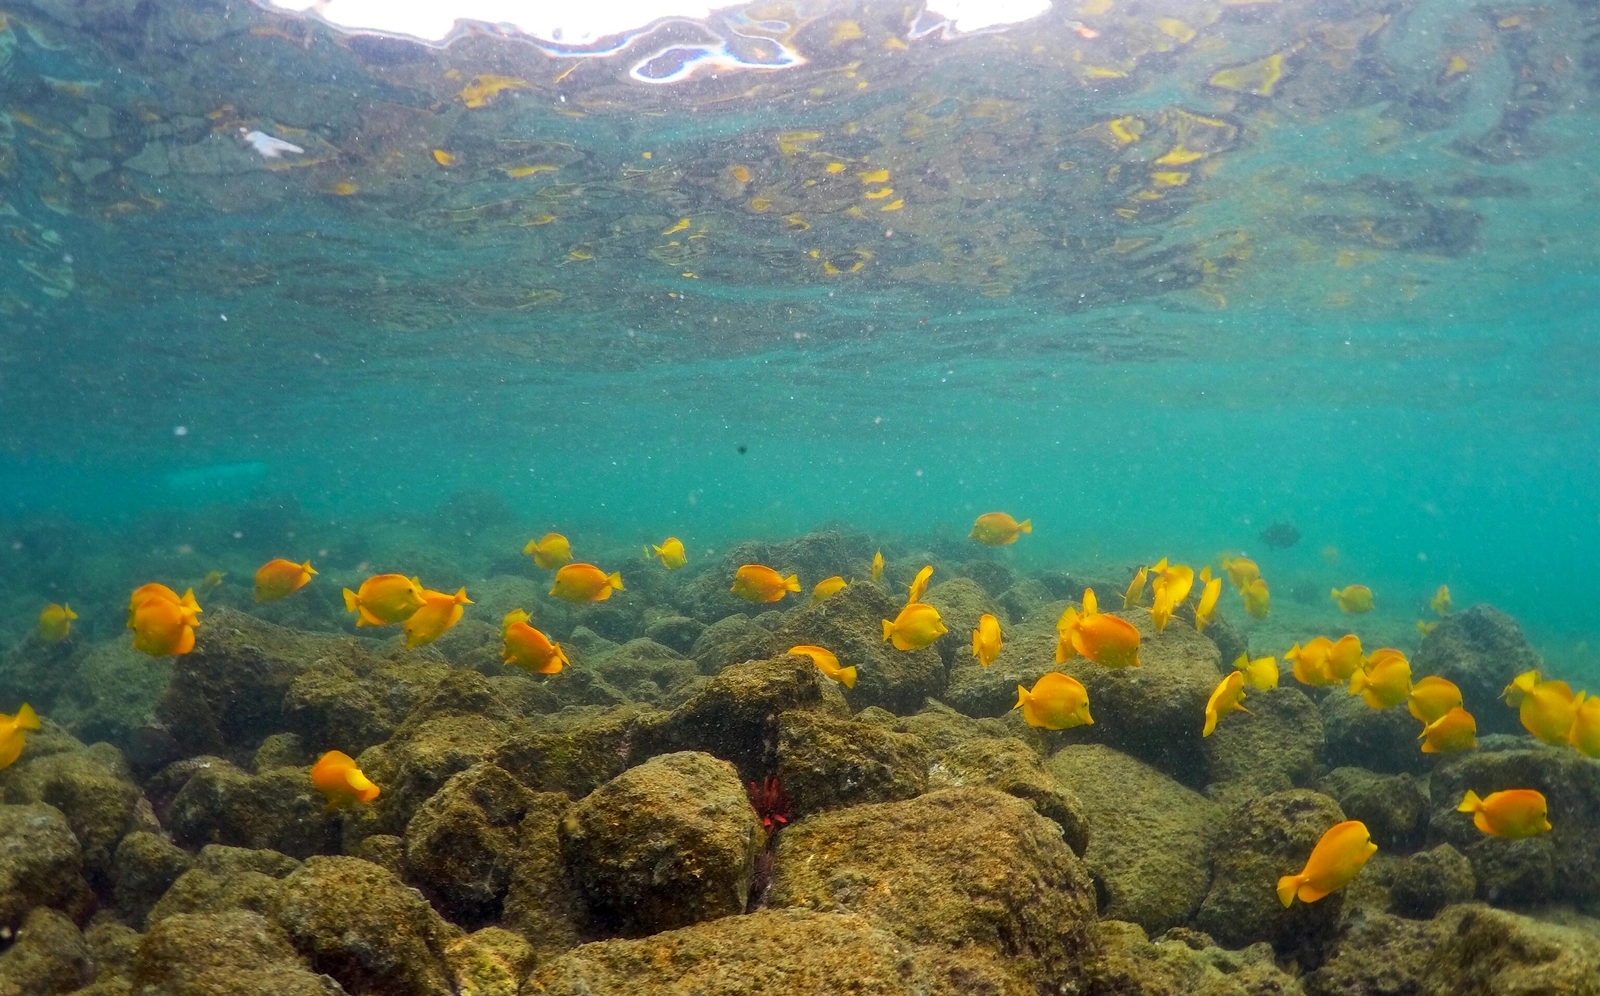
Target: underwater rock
(942,727)
(1480,650)
(960,601)
(794,952)
(489,962)
(851,625)
(1274,747)
(991,691)
(735,716)
(94,789)
(359,924)
(41,864)
(1008,765)
(48,956)
(1127,963)
(575,751)
(102,691)
(112,947)
(1394,807)
(333,707)
(643,670)
(1376,739)
(212,954)
(1470,950)
(462,843)
(668,843)
(145,866)
(227,878)
(731,640)
(1563,864)
(967,868)
(1261,841)
(282,750)
(277,810)
(814,556)
(1424,883)
(1023,600)
(826,763)
(678,632)
(541,902)
(1150,838)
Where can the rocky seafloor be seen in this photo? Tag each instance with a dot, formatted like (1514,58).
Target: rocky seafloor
(593,832)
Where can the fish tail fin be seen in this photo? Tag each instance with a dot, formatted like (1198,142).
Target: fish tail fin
(1023,696)
(888,629)
(615,580)
(1335,593)
(529,547)
(1359,682)
(1470,803)
(1025,526)
(1288,885)
(847,675)
(791,583)
(461,597)
(308,568)
(26,718)
(66,610)
(350,604)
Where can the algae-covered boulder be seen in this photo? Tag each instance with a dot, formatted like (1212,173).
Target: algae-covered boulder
(1150,838)
(1480,650)
(1028,653)
(768,953)
(41,864)
(961,602)
(967,868)
(1377,739)
(1261,841)
(574,751)
(826,763)
(1127,963)
(1394,807)
(462,843)
(678,632)
(851,625)
(277,810)
(1008,765)
(1424,883)
(1468,950)
(47,956)
(489,962)
(144,868)
(1562,865)
(644,670)
(94,789)
(814,556)
(542,904)
(730,640)
(1273,747)
(227,878)
(668,843)
(359,924)
(215,954)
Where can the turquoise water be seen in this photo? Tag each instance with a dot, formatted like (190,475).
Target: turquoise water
(1366,308)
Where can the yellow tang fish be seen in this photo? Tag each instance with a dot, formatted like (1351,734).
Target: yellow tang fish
(1107,640)
(439,612)
(1520,686)
(145,593)
(528,648)
(671,553)
(827,588)
(877,566)
(1259,673)
(281,578)
(1585,732)
(1455,730)
(1432,697)
(13,734)
(163,625)
(1207,609)
(998,529)
(761,584)
(1353,598)
(213,579)
(55,622)
(827,663)
(1385,681)
(1257,598)
(1056,702)
(549,551)
(1311,661)
(919,584)
(1426,626)
(384,599)
(1345,659)
(579,583)
(1440,602)
(339,780)
(986,639)
(1241,571)
(1335,860)
(1169,588)
(1512,814)
(1225,698)
(1134,596)
(1547,710)
(915,627)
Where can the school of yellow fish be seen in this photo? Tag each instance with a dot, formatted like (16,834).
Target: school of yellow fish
(164,623)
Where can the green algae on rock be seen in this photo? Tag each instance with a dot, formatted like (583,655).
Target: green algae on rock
(1481,650)
(211,954)
(827,763)
(1426,882)
(1009,765)
(1127,963)
(47,956)
(1393,807)
(143,869)
(41,864)
(1275,747)
(462,843)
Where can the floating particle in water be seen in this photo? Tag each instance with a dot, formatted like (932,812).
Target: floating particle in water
(180,430)
(742,449)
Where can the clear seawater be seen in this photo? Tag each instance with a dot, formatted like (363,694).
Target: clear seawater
(1366,308)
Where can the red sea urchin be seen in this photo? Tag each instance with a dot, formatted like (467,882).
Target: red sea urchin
(770,802)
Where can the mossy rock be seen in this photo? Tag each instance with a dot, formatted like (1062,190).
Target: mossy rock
(574,751)
(278,810)
(826,763)
(1274,746)
(1426,882)
(1386,740)
(1181,963)
(1394,807)
(1009,765)
(1481,650)
(227,878)
(144,868)
(542,903)
(215,954)
(961,602)
(41,864)
(47,956)
(851,625)
(731,640)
